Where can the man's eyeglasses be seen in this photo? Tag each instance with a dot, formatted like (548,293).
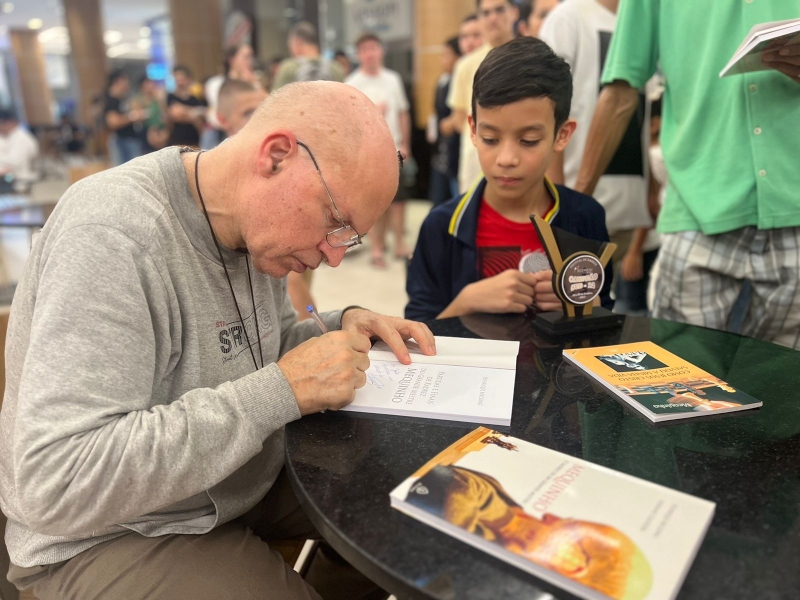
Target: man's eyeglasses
(345,236)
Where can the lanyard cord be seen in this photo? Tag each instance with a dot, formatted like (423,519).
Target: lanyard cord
(228,277)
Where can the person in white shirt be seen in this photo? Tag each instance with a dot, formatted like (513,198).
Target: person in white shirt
(385,88)
(496,19)
(18,151)
(580,32)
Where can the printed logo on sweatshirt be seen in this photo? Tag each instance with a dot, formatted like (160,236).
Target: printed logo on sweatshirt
(233,335)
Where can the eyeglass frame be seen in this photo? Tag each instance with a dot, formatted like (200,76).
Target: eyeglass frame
(355,241)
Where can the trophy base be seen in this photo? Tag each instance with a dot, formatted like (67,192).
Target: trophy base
(555,323)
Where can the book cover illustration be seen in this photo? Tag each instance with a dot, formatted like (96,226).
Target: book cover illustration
(658,383)
(593,531)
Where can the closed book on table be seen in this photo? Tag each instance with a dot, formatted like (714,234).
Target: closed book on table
(658,384)
(592,531)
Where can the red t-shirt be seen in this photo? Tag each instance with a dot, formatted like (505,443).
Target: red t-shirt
(503,244)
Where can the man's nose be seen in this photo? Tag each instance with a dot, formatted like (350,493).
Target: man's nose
(332,256)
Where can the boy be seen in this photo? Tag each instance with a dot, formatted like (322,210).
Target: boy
(237,101)
(470,249)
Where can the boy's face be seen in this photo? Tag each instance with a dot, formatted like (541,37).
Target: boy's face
(241,109)
(516,143)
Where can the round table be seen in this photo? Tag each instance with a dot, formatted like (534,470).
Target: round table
(343,465)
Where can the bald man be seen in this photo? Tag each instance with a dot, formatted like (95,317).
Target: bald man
(153,357)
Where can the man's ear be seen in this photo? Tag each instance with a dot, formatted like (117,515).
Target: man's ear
(472,134)
(564,134)
(278,146)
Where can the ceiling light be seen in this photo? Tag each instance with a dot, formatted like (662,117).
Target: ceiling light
(112,37)
(143,44)
(7,7)
(119,50)
(144,32)
(35,24)
(54,34)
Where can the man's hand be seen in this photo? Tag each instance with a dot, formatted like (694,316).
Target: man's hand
(784,57)
(392,330)
(508,292)
(325,372)
(632,267)
(545,298)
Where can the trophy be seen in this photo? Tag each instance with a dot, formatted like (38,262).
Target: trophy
(578,266)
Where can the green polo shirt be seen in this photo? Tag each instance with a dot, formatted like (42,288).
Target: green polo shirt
(731,145)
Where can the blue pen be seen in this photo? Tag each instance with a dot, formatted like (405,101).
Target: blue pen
(315,315)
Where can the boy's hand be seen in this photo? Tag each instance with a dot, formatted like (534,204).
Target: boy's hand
(545,298)
(508,292)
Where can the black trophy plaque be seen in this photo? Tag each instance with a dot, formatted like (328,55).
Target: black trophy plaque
(578,266)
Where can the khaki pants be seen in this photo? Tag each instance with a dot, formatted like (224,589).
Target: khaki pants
(233,561)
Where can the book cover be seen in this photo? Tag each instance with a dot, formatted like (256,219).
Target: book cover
(590,530)
(469,380)
(657,383)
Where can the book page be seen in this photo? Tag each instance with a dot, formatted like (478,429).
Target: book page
(463,352)
(747,58)
(477,395)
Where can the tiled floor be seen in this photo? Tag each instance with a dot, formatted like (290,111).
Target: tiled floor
(355,281)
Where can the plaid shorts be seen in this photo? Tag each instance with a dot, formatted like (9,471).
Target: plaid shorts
(699,278)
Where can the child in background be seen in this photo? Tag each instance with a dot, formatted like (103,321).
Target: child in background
(470,249)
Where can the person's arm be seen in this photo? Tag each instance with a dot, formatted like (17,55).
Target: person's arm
(92,447)
(429,279)
(179,112)
(617,103)
(115,120)
(632,265)
(456,98)
(405,127)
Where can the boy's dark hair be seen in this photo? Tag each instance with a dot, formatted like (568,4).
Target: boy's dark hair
(523,68)
(306,32)
(182,69)
(452,43)
(468,18)
(340,53)
(367,37)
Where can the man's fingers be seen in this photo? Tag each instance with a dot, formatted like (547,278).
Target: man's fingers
(421,334)
(361,361)
(393,339)
(361,379)
(358,341)
(526,289)
(522,299)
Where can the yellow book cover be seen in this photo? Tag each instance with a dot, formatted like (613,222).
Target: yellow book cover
(592,531)
(657,383)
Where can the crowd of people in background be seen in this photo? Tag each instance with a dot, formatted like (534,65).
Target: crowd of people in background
(614,155)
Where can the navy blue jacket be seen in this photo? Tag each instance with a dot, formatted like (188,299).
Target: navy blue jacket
(446,259)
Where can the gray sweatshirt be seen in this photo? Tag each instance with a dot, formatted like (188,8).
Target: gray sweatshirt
(131,400)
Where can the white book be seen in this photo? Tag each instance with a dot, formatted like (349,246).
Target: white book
(747,57)
(590,530)
(468,380)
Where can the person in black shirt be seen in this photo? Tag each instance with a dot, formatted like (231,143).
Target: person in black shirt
(186,111)
(444,172)
(121,121)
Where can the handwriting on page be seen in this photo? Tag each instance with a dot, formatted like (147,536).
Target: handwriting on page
(381,374)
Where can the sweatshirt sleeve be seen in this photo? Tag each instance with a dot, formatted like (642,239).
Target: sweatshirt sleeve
(91,446)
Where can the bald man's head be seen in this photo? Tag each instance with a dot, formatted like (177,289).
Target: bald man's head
(284,211)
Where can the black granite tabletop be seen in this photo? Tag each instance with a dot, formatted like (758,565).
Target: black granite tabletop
(344,465)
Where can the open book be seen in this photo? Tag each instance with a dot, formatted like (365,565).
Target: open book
(657,383)
(592,531)
(747,57)
(468,380)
